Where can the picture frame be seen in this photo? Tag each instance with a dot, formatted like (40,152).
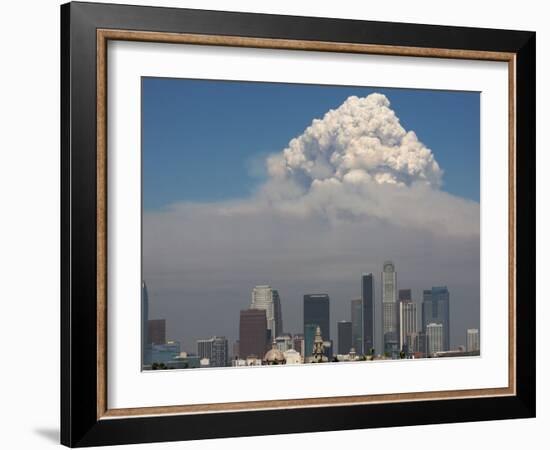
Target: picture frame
(86,29)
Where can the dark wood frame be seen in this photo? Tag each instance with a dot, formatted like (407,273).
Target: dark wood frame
(85,418)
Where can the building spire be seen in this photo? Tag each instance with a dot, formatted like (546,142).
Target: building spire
(318,346)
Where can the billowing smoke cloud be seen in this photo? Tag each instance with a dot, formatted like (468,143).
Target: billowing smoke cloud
(362,141)
(359,163)
(354,189)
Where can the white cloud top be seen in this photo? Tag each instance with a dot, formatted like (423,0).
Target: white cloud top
(361,141)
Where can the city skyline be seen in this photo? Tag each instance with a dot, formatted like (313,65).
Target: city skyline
(419,322)
(418,336)
(313,211)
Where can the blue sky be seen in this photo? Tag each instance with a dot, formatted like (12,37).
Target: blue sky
(204,141)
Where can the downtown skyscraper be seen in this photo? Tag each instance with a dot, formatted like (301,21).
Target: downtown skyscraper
(357,325)
(390,322)
(156,331)
(435,309)
(316,314)
(407,320)
(367,310)
(344,337)
(253,333)
(266,298)
(145,344)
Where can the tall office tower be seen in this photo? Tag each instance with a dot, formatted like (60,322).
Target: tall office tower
(435,309)
(472,340)
(389,310)
(277,309)
(316,314)
(298,343)
(367,297)
(407,318)
(266,298)
(156,331)
(421,348)
(145,344)
(215,349)
(252,333)
(344,337)
(434,337)
(357,325)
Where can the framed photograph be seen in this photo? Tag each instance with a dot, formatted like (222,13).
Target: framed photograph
(276,224)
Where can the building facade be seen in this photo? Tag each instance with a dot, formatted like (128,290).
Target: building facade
(165,353)
(367,298)
(407,318)
(309,337)
(329,347)
(184,361)
(266,298)
(284,342)
(253,333)
(316,314)
(278,312)
(215,350)
(472,340)
(246,362)
(344,337)
(390,310)
(357,325)
(145,344)
(298,343)
(434,338)
(436,309)
(156,333)
(412,343)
